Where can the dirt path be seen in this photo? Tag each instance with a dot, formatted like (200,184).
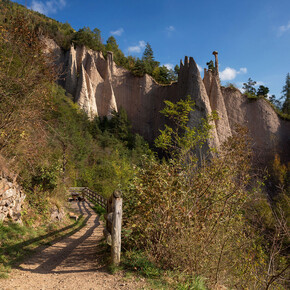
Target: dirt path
(72,263)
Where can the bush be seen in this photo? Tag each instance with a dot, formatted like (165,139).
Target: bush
(191,217)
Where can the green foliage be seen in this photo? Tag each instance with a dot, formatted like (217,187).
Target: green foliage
(194,218)
(88,38)
(286,96)
(249,87)
(276,103)
(148,65)
(100,211)
(60,32)
(262,91)
(148,59)
(163,75)
(64,35)
(46,178)
(251,96)
(210,65)
(180,139)
(120,125)
(139,68)
(231,86)
(176,70)
(138,262)
(51,142)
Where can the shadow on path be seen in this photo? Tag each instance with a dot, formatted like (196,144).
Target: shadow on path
(75,253)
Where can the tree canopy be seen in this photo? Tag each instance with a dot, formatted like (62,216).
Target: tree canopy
(262,91)
(249,87)
(286,96)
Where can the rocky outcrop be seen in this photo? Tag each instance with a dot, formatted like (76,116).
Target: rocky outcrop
(190,84)
(11,195)
(269,133)
(99,86)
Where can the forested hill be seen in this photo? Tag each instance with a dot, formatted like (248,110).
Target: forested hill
(64,35)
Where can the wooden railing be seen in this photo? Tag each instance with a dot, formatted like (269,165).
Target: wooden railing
(89,194)
(113,216)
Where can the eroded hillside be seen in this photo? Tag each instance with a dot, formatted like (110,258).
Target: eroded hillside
(99,86)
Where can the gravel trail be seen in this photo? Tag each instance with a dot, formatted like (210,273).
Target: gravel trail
(72,263)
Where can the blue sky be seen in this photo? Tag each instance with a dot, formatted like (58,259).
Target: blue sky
(251,36)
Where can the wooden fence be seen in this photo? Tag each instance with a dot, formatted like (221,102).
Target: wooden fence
(113,216)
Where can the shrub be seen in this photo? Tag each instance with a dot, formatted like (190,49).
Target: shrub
(191,217)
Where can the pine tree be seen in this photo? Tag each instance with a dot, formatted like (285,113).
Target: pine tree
(148,60)
(176,70)
(138,69)
(112,44)
(286,96)
(148,53)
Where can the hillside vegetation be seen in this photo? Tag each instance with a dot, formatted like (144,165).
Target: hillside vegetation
(193,221)
(46,138)
(64,35)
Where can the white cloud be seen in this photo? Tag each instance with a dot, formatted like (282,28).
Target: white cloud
(169,65)
(117,32)
(283,28)
(229,73)
(170,28)
(259,83)
(243,70)
(137,48)
(47,7)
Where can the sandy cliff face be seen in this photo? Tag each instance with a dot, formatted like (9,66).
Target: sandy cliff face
(99,87)
(270,134)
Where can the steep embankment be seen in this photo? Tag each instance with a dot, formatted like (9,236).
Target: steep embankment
(269,132)
(100,87)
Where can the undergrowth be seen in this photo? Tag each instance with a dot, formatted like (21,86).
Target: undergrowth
(137,263)
(100,211)
(201,218)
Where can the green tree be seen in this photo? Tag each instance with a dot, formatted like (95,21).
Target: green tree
(210,65)
(176,70)
(163,75)
(120,125)
(286,96)
(148,60)
(88,38)
(148,53)
(275,102)
(138,69)
(112,44)
(262,91)
(118,55)
(249,87)
(180,140)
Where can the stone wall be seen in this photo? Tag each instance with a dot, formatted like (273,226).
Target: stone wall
(11,197)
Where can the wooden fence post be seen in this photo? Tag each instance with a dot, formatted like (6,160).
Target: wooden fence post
(116,227)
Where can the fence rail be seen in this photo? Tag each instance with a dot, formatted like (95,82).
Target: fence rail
(113,206)
(89,194)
